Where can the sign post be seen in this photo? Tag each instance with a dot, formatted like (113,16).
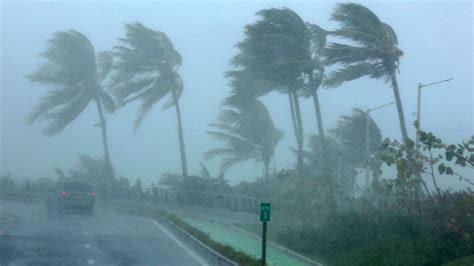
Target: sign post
(265,209)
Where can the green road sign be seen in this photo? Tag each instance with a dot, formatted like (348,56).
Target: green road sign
(265,212)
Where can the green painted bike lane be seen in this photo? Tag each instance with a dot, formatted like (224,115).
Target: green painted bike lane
(242,242)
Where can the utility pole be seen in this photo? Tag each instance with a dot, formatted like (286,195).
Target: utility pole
(418,111)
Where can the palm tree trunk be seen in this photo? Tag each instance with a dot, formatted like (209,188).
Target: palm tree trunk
(103,127)
(266,167)
(293,116)
(398,101)
(317,109)
(299,164)
(410,156)
(108,164)
(184,166)
(300,139)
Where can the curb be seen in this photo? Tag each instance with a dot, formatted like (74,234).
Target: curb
(277,246)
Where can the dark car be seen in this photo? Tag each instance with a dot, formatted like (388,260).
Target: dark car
(78,197)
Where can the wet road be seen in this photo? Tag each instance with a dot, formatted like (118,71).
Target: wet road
(107,238)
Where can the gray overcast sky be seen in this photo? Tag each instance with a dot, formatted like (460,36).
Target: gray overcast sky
(436,38)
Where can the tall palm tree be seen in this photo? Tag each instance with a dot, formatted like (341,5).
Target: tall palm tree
(75,75)
(274,56)
(147,70)
(247,131)
(315,72)
(375,53)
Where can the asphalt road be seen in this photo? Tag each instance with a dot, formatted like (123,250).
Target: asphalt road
(107,238)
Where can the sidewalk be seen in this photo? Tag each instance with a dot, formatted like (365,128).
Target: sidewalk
(245,242)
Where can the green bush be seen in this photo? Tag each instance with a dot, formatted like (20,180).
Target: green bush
(380,238)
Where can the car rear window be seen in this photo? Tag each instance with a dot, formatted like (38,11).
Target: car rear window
(77,186)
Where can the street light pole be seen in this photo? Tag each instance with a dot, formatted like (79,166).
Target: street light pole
(367,141)
(418,111)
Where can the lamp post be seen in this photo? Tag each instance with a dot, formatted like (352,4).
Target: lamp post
(418,110)
(367,141)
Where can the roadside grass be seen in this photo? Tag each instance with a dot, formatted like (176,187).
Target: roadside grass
(465,261)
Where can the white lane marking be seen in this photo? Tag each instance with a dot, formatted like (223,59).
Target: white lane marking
(190,252)
(87,245)
(90,261)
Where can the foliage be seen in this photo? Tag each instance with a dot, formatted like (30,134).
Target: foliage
(70,68)
(274,53)
(376,55)
(247,131)
(145,69)
(7,183)
(94,171)
(351,134)
(383,238)
(195,183)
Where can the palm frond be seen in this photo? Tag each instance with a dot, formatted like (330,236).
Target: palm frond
(145,69)
(359,24)
(246,132)
(105,65)
(70,60)
(65,114)
(347,73)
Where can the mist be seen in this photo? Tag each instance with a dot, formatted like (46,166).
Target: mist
(436,41)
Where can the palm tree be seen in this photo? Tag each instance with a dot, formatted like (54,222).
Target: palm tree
(146,70)
(316,71)
(75,75)
(247,131)
(274,56)
(352,136)
(375,54)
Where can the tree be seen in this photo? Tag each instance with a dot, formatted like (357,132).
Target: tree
(351,134)
(75,75)
(323,162)
(315,71)
(147,70)
(274,56)
(248,132)
(376,53)
(93,171)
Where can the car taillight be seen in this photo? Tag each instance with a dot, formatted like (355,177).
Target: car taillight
(93,194)
(63,194)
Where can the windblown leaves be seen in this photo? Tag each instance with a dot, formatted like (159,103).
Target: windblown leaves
(71,71)
(247,132)
(375,51)
(145,69)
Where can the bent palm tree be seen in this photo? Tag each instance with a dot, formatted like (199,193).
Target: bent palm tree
(146,70)
(376,54)
(248,132)
(316,71)
(274,56)
(75,75)
(352,135)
